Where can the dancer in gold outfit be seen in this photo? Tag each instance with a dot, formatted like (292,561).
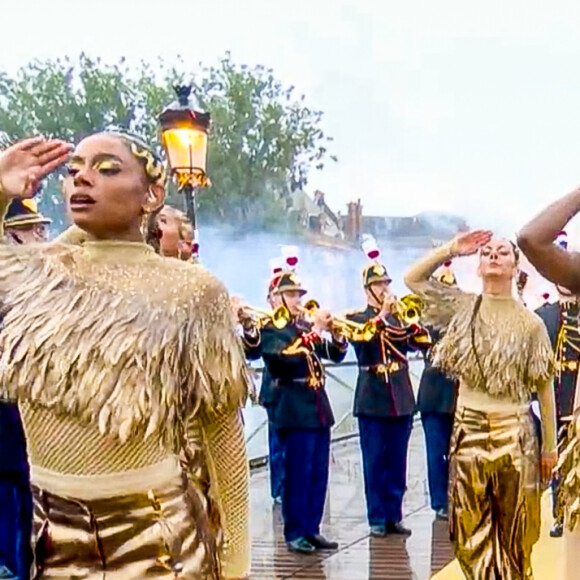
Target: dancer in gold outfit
(120,359)
(563,268)
(500,352)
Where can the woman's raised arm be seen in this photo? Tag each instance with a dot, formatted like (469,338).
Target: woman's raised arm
(536,240)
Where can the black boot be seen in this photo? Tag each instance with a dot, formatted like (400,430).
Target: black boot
(321,543)
(557,530)
(300,546)
(397,528)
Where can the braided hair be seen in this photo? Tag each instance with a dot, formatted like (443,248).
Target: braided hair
(152,163)
(156,175)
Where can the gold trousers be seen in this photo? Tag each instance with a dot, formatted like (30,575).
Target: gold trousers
(494,493)
(162,532)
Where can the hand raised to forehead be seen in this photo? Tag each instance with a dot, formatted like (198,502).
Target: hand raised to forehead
(469,243)
(26,163)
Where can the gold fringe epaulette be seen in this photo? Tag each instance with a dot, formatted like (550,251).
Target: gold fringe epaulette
(135,347)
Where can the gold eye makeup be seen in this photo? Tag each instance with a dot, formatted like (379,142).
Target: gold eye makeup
(107,166)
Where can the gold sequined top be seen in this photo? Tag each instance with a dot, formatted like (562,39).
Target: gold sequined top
(117,356)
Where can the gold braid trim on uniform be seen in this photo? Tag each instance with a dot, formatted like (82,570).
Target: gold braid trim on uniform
(82,337)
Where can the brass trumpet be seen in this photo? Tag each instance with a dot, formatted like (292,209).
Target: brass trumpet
(260,316)
(352,331)
(409,309)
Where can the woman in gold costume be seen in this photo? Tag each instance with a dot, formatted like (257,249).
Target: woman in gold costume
(562,267)
(500,353)
(120,360)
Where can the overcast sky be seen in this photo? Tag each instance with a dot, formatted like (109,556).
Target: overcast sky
(447,105)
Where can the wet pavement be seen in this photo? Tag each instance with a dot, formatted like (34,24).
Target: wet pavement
(359,557)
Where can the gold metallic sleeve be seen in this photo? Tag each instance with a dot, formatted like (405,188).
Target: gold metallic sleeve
(228,466)
(540,371)
(441,302)
(548,407)
(417,276)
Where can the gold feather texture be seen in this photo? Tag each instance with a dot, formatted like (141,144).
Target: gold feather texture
(512,353)
(114,335)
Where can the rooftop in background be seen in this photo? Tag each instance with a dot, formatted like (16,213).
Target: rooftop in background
(323,226)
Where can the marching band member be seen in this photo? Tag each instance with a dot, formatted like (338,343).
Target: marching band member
(302,414)
(561,320)
(384,402)
(268,394)
(23,224)
(501,354)
(436,402)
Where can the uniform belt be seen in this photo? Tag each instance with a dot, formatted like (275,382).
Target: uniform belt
(383,368)
(310,382)
(567,365)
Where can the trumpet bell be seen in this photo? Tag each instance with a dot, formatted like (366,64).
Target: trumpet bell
(311,305)
(410,308)
(280,317)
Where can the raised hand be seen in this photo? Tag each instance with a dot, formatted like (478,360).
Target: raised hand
(26,163)
(322,320)
(389,305)
(469,243)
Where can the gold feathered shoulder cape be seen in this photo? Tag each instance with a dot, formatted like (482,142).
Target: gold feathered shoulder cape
(113,334)
(507,355)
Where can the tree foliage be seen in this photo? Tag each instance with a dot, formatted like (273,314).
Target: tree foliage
(264,141)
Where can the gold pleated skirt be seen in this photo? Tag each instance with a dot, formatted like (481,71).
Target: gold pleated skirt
(160,532)
(494,493)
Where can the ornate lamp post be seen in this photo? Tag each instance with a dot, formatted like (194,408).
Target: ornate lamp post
(184,134)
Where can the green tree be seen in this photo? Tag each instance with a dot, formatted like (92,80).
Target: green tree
(263,144)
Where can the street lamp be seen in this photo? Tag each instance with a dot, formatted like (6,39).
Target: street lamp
(184,133)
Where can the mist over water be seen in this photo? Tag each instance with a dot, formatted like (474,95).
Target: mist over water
(333,277)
